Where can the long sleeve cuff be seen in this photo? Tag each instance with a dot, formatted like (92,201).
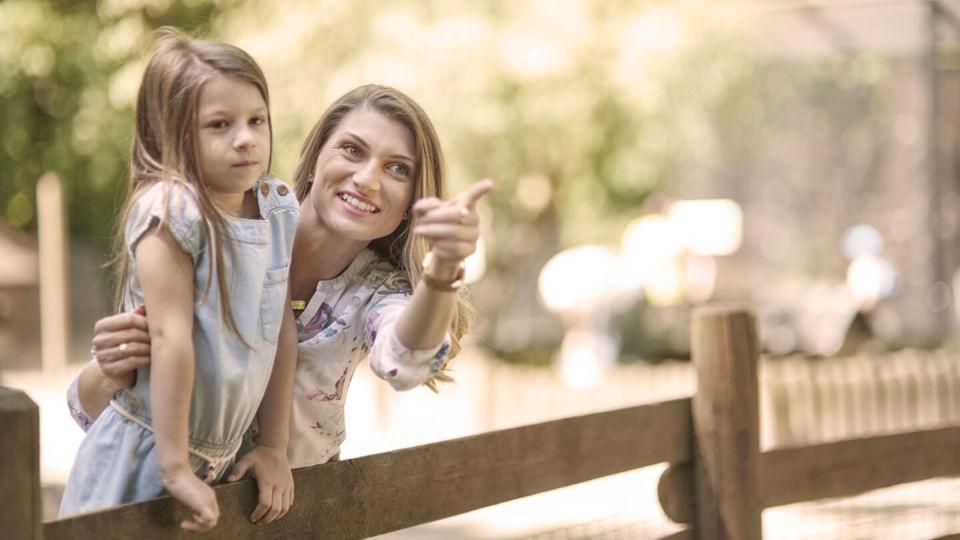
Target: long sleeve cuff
(405,368)
(79,415)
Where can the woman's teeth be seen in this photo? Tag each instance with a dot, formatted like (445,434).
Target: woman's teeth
(358,204)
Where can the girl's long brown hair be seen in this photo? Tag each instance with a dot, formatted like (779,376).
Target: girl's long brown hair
(165,140)
(400,247)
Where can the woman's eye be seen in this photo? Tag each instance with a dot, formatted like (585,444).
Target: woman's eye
(400,169)
(351,149)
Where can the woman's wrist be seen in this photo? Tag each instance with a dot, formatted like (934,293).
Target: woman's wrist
(442,274)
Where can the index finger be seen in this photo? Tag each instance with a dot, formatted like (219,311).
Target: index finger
(473,193)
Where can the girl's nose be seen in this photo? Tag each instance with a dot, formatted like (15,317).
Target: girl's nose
(244,139)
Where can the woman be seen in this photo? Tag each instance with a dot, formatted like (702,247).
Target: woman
(376,269)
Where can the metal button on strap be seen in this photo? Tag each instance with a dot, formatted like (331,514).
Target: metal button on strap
(264,189)
(282,190)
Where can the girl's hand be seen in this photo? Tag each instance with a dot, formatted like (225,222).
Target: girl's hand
(119,365)
(453,226)
(198,496)
(274,481)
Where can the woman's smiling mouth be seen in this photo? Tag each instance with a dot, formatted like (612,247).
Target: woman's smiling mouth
(357,204)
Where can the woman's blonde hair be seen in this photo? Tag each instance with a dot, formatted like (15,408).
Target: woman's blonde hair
(165,147)
(401,248)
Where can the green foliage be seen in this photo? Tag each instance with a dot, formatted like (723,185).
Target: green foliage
(68,77)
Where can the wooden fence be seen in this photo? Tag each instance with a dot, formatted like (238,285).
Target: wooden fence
(718,481)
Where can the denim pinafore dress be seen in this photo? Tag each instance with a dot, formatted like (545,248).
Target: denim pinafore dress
(117,461)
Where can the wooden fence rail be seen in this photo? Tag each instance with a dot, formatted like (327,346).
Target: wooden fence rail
(718,481)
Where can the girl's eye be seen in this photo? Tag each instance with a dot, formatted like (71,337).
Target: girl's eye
(258,121)
(217,124)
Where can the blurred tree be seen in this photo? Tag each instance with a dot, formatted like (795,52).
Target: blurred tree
(68,78)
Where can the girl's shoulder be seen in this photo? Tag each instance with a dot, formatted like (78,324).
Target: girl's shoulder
(275,195)
(170,196)
(170,203)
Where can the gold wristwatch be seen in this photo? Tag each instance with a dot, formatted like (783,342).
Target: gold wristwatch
(440,284)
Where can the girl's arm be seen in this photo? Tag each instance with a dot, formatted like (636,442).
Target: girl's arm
(268,461)
(452,229)
(165,272)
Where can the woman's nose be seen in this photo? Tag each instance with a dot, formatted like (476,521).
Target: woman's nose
(367,177)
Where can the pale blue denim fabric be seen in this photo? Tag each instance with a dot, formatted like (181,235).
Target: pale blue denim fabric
(116,462)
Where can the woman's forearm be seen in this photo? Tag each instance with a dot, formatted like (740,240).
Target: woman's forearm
(426,317)
(94,390)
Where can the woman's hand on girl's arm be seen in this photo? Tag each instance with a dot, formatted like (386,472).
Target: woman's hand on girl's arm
(111,370)
(166,276)
(110,333)
(267,463)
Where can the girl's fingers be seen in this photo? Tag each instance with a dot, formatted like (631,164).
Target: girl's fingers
(276,508)
(199,522)
(264,500)
(287,501)
(191,525)
(240,469)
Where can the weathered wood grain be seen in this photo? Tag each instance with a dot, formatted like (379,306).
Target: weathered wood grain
(726,424)
(844,468)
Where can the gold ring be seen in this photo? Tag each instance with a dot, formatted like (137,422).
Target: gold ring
(123,350)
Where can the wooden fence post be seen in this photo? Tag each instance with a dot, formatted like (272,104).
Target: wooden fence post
(726,424)
(21,512)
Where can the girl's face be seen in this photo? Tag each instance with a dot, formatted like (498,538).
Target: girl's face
(233,138)
(364,177)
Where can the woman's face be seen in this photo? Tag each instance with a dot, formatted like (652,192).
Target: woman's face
(364,176)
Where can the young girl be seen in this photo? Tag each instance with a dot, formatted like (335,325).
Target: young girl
(206,247)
